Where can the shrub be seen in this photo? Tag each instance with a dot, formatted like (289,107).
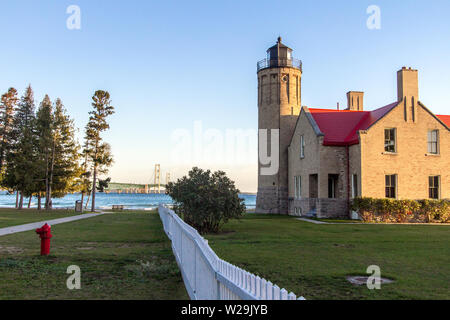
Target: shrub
(206,200)
(434,210)
(401,211)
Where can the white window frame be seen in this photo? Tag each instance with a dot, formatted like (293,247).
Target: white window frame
(395,140)
(298,187)
(438,187)
(430,134)
(302,147)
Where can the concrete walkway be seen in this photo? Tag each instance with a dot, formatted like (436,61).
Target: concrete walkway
(35,225)
(373,224)
(312,221)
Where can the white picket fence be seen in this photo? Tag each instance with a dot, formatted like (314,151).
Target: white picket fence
(205,275)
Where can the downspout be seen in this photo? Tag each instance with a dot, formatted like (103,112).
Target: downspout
(348,179)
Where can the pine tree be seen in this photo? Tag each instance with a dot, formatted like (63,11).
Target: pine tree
(45,148)
(21,159)
(7,107)
(65,169)
(85,178)
(99,152)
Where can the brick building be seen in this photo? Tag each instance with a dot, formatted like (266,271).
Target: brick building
(329,156)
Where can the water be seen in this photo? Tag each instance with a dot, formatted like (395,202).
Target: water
(105,201)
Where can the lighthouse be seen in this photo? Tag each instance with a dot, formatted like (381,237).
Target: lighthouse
(279,105)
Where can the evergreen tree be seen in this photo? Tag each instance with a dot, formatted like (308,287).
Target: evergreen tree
(99,153)
(87,170)
(8,104)
(21,159)
(65,169)
(45,149)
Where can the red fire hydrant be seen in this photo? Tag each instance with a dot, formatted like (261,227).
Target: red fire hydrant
(45,235)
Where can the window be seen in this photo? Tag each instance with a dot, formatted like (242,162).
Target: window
(298,187)
(433,187)
(355,186)
(433,141)
(332,185)
(389,140)
(302,147)
(391,186)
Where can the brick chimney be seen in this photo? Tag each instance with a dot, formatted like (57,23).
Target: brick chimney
(355,101)
(408,92)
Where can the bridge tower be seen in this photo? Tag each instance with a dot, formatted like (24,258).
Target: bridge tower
(157,184)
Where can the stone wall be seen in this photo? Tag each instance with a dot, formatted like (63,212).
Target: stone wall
(279,103)
(272,200)
(326,208)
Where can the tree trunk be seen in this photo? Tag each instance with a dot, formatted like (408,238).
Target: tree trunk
(17,199)
(39,201)
(21,201)
(50,204)
(94,180)
(93,189)
(29,202)
(87,202)
(46,183)
(82,199)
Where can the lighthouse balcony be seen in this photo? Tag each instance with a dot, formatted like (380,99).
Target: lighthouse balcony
(279,63)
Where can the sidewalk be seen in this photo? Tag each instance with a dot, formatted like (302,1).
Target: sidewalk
(35,225)
(371,224)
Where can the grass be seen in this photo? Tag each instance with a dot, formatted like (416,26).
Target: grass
(121,256)
(13,217)
(314,260)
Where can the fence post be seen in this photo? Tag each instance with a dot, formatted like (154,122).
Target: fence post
(258,286)
(264,289)
(276,292)
(269,290)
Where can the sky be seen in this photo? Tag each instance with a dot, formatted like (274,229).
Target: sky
(182,74)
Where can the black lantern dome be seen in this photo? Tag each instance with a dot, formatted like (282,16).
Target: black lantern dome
(279,55)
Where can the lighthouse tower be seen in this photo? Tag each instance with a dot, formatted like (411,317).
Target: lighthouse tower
(279,104)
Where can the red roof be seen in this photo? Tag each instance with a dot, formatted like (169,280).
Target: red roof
(444,119)
(341,127)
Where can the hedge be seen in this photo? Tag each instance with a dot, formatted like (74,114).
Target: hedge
(401,211)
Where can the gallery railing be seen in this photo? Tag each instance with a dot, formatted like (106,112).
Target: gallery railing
(276,63)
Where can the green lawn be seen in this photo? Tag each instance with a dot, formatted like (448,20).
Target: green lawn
(13,217)
(314,260)
(121,256)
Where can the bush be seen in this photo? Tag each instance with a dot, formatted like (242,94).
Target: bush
(206,200)
(401,211)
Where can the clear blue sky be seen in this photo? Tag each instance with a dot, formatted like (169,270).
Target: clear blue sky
(170,63)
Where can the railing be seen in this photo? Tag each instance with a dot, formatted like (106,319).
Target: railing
(275,63)
(205,275)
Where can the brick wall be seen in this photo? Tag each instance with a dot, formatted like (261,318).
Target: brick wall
(411,162)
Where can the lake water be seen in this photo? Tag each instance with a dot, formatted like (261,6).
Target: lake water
(105,201)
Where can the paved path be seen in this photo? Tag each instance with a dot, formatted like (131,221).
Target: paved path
(373,224)
(35,225)
(312,221)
